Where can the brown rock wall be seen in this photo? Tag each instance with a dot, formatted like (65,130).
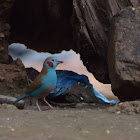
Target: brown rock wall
(124,54)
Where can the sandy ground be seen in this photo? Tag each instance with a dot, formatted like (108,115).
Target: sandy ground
(67,124)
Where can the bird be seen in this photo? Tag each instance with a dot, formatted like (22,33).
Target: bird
(44,83)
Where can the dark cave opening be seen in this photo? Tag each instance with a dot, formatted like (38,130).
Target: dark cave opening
(53,26)
(42,25)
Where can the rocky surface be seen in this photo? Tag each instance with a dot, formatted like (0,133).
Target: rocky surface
(9,100)
(5,6)
(80,93)
(126,107)
(12,74)
(91,23)
(124,54)
(77,93)
(13,79)
(31,73)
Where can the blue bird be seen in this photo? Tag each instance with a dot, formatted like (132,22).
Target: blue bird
(44,83)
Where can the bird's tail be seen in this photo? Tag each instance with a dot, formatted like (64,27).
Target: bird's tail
(24,96)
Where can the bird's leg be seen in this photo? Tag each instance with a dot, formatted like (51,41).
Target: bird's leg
(36,101)
(48,103)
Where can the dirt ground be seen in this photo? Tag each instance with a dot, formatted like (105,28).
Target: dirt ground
(67,124)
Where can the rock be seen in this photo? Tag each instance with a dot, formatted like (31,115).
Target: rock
(91,23)
(13,79)
(4,29)
(90,38)
(80,93)
(124,54)
(126,107)
(9,100)
(16,70)
(2,78)
(32,73)
(18,62)
(77,93)
(7,106)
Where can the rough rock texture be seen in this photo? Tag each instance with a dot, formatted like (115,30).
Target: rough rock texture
(13,79)
(77,93)
(80,93)
(91,22)
(5,6)
(12,74)
(31,73)
(124,54)
(126,107)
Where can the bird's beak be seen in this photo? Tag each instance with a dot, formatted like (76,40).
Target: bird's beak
(59,61)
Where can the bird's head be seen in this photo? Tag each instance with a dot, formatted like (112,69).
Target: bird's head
(52,62)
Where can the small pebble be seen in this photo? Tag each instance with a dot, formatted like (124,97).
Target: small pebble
(12,129)
(107,131)
(118,112)
(8,119)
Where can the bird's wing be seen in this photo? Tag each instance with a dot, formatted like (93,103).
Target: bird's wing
(35,85)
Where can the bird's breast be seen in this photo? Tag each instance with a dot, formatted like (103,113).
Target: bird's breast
(49,80)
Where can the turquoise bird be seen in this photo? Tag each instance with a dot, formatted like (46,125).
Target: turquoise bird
(44,83)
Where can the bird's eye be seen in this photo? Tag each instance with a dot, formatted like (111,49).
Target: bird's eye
(52,59)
